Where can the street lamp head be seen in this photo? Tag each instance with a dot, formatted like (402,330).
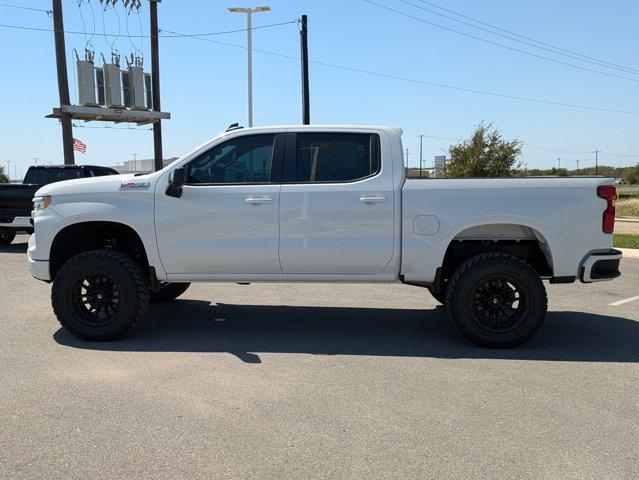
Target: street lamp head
(249,10)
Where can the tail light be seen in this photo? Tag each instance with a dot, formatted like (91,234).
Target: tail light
(608,193)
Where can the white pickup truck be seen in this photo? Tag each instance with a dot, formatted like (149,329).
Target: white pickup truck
(318,204)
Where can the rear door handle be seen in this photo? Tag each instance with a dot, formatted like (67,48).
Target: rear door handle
(258,200)
(371,199)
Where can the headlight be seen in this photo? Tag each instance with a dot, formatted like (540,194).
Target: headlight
(41,203)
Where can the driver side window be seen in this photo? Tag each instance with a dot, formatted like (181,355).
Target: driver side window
(244,159)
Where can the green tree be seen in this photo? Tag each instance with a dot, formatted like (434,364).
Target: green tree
(484,154)
(3,177)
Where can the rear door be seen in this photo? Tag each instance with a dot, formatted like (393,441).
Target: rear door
(336,204)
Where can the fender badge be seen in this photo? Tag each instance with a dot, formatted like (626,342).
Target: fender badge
(135,185)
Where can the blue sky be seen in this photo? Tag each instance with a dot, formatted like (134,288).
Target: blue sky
(204,84)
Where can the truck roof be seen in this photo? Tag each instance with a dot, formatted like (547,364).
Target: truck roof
(316,127)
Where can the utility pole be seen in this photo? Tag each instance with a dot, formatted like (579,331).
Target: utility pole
(9,169)
(421,157)
(407,159)
(63,82)
(577,161)
(35,159)
(155,82)
(558,163)
(306,102)
(596,152)
(135,161)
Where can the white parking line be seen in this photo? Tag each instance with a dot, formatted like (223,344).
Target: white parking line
(625,300)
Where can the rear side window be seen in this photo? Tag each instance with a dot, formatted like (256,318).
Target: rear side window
(57,175)
(336,157)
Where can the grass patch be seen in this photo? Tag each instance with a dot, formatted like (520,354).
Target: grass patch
(625,240)
(627,207)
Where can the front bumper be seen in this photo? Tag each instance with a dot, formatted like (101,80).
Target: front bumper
(39,268)
(601,266)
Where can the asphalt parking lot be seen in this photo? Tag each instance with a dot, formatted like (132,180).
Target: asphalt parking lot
(318,381)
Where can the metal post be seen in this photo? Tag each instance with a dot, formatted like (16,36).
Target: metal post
(306,103)
(249,45)
(421,158)
(155,82)
(63,82)
(596,162)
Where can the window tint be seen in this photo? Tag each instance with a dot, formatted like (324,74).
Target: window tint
(38,176)
(97,172)
(240,160)
(57,175)
(335,157)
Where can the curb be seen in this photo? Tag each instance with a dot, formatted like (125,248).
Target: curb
(630,252)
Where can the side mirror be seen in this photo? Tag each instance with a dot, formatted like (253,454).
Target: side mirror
(177,180)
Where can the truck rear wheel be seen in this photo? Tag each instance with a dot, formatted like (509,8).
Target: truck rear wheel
(168,292)
(6,236)
(496,300)
(100,295)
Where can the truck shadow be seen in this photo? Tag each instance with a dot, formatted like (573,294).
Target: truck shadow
(248,330)
(15,247)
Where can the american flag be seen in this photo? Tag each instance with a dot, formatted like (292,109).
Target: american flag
(79,146)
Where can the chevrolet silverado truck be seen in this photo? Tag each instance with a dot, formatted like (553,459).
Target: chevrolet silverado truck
(16,198)
(318,204)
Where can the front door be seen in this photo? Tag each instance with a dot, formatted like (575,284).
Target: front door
(336,205)
(226,221)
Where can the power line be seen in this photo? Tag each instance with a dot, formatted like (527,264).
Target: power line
(525,37)
(48,12)
(531,44)
(75,32)
(421,82)
(561,62)
(75,125)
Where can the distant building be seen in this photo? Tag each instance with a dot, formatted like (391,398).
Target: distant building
(142,165)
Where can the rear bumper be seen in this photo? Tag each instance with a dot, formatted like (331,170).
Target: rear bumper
(39,268)
(601,266)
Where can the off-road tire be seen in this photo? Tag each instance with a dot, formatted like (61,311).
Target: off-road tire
(122,272)
(6,236)
(464,289)
(169,292)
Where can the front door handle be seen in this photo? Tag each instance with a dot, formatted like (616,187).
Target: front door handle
(371,199)
(258,200)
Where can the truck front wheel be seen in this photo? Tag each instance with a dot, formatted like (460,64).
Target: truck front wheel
(496,300)
(100,295)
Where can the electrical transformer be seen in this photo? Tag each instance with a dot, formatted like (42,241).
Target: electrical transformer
(86,80)
(133,83)
(112,83)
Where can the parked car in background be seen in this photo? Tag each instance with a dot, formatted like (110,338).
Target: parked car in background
(319,204)
(16,198)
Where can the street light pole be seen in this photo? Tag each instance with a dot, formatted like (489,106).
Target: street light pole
(421,156)
(249,45)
